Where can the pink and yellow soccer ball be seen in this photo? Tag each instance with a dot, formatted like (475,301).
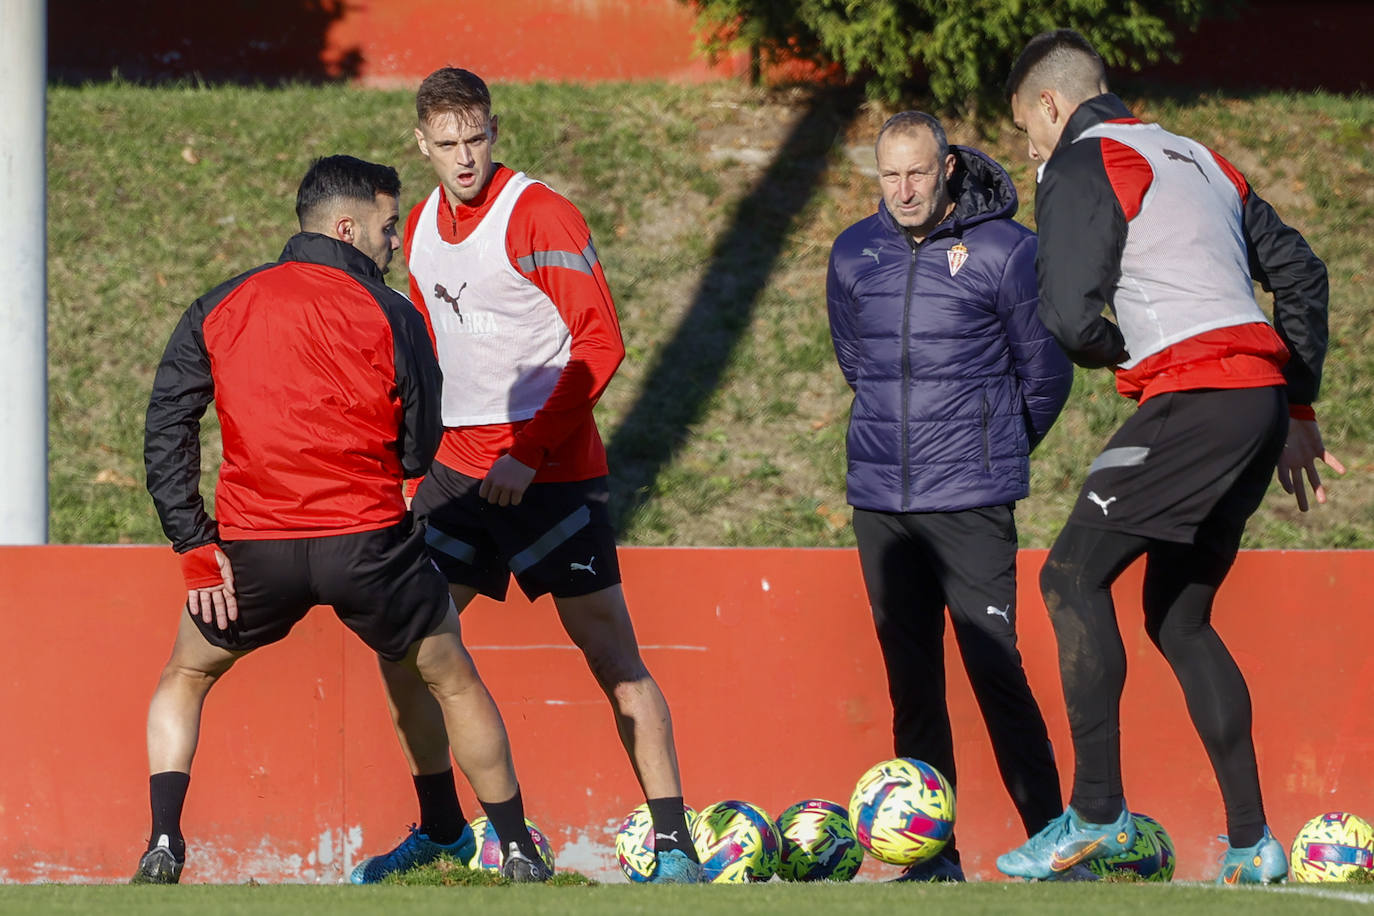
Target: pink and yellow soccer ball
(902,811)
(634,844)
(488,852)
(736,842)
(1333,847)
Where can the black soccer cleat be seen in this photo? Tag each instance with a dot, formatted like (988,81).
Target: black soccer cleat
(158,866)
(521,869)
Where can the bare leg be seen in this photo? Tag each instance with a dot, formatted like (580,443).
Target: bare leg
(438,699)
(600,625)
(174,712)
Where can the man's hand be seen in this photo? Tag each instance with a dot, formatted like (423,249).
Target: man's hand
(1300,456)
(215,603)
(506,482)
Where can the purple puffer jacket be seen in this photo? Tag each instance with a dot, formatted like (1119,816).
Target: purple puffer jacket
(955,379)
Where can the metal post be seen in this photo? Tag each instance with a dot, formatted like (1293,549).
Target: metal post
(23,274)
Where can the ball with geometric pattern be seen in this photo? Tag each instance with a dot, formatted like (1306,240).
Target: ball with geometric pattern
(1142,861)
(488,852)
(902,811)
(1333,847)
(736,842)
(818,843)
(1168,859)
(634,844)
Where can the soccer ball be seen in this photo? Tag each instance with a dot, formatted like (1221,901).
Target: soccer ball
(634,844)
(488,852)
(1168,859)
(736,842)
(1143,859)
(818,844)
(902,811)
(1333,847)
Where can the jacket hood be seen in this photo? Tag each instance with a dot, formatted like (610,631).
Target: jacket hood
(981,189)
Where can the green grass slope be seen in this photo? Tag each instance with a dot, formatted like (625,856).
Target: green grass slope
(713,209)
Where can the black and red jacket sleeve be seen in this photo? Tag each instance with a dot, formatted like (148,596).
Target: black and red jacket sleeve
(419,381)
(1082,233)
(182,390)
(1284,264)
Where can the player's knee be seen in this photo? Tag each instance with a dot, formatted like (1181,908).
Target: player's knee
(1056,586)
(616,667)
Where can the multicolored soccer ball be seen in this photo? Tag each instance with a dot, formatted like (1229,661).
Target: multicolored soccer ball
(736,842)
(902,811)
(488,852)
(818,843)
(1168,859)
(1333,847)
(634,844)
(1144,859)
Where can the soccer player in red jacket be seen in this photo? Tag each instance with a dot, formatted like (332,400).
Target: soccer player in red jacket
(505,273)
(1169,236)
(327,392)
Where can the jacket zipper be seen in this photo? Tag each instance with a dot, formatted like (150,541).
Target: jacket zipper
(906,376)
(987,457)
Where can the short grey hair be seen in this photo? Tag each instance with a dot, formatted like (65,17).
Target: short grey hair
(906,123)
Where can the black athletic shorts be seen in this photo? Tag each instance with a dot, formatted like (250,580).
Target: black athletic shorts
(1189,467)
(381,584)
(558,541)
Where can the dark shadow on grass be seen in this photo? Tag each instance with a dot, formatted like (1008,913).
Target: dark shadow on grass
(687,370)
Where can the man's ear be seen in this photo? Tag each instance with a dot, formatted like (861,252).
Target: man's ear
(493,128)
(344,229)
(420,142)
(949,166)
(1049,99)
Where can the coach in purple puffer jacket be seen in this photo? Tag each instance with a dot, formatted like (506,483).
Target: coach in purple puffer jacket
(933,314)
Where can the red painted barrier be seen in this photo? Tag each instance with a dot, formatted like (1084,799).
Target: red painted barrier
(767,657)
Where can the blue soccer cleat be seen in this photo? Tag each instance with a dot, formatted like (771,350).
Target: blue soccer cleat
(416,849)
(1264,863)
(1065,842)
(940,868)
(674,867)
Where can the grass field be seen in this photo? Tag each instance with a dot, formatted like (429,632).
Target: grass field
(1003,899)
(713,209)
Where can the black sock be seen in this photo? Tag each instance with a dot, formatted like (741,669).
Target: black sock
(1098,810)
(508,820)
(670,826)
(167,793)
(441,816)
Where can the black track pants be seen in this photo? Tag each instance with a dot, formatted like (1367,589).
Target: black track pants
(1181,582)
(915,564)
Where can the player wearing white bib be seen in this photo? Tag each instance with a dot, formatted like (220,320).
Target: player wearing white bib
(505,273)
(1167,235)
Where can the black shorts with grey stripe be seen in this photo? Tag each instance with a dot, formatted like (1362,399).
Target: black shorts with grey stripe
(1188,466)
(558,541)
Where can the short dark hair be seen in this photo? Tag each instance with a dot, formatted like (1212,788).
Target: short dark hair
(451,90)
(1061,57)
(904,123)
(343,178)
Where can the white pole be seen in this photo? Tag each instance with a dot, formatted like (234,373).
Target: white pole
(23,274)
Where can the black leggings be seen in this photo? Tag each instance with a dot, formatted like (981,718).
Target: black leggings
(1181,582)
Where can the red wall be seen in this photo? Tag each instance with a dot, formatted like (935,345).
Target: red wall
(767,657)
(1282,44)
